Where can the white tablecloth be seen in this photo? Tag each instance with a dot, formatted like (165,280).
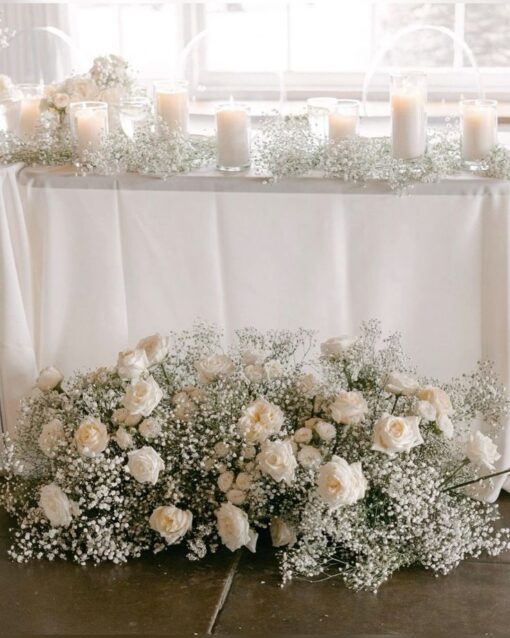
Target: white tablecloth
(90,265)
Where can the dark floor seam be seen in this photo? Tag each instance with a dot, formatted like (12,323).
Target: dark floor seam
(224,594)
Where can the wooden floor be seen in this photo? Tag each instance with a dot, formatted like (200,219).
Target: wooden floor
(240,594)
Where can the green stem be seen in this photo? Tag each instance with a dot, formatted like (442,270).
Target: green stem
(482,478)
(455,472)
(347,376)
(166,375)
(395,403)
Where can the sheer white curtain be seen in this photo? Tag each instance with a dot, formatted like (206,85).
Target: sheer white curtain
(35,55)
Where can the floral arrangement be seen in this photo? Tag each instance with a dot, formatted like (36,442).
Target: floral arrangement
(355,465)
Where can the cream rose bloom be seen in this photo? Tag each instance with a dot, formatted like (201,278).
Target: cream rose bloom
(225,481)
(150,428)
(252,357)
(278,461)
(55,505)
(235,496)
(255,373)
(282,533)
(155,347)
(145,464)
(171,522)
(308,385)
(49,378)
(425,410)
(122,417)
(61,100)
(401,384)
(186,401)
(123,439)
(132,363)
(444,423)
(339,483)
(51,435)
(91,437)
(221,449)
(437,398)
(142,397)
(273,370)
(260,420)
(243,481)
(393,434)
(481,450)
(325,430)
(234,528)
(215,366)
(337,346)
(303,435)
(309,457)
(349,408)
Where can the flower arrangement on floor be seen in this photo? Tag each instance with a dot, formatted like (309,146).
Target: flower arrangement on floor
(356,466)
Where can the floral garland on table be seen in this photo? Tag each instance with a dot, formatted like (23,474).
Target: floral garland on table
(357,467)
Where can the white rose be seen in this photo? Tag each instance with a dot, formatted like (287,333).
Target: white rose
(277,459)
(394,434)
(225,481)
(326,431)
(171,522)
(55,505)
(132,363)
(234,528)
(156,348)
(273,370)
(235,496)
(400,383)
(142,397)
(145,464)
(51,435)
(444,423)
(340,483)
(49,378)
(61,100)
(254,373)
(307,384)
(123,439)
(425,410)
(303,435)
(282,533)
(260,420)
(438,398)
(252,357)
(243,481)
(214,367)
(150,428)
(309,457)
(337,346)
(349,408)
(91,437)
(482,450)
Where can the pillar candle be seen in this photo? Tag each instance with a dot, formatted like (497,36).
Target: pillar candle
(408,123)
(233,137)
(479,131)
(29,116)
(91,125)
(172,107)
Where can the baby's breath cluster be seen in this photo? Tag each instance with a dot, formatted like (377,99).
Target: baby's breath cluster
(355,465)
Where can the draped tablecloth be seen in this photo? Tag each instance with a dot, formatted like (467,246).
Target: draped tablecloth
(90,265)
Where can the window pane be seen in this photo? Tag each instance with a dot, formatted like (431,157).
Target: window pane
(328,37)
(421,48)
(487,30)
(245,37)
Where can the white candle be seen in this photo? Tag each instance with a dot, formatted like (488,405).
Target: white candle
(232,137)
(342,126)
(408,123)
(172,107)
(90,125)
(479,129)
(29,116)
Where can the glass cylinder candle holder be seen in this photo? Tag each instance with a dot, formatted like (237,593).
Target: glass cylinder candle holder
(30,109)
(232,137)
(10,109)
(343,120)
(318,110)
(89,125)
(408,99)
(172,104)
(133,113)
(479,131)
